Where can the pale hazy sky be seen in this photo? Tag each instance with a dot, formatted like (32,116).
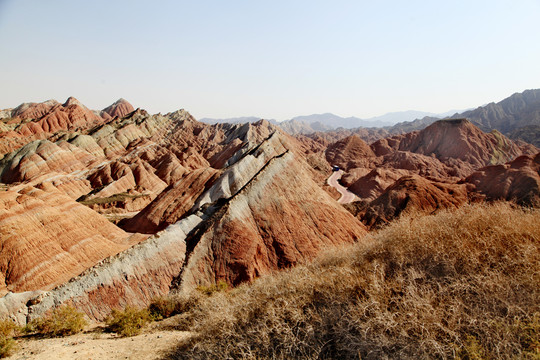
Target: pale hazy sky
(273,59)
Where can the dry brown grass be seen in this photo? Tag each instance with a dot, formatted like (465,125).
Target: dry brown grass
(462,284)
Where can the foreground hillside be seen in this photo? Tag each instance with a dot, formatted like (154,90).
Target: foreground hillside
(461,283)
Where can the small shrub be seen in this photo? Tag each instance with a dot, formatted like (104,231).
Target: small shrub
(167,306)
(7,345)
(162,307)
(8,328)
(62,321)
(128,322)
(209,290)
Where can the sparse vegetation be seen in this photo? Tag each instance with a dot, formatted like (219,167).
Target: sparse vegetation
(167,306)
(62,321)
(209,290)
(462,284)
(8,345)
(120,197)
(128,322)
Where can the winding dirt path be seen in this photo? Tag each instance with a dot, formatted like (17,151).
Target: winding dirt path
(346,195)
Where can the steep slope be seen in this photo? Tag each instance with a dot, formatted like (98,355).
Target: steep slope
(411,193)
(517,181)
(275,221)
(516,111)
(517,116)
(348,153)
(120,108)
(172,203)
(456,143)
(47,238)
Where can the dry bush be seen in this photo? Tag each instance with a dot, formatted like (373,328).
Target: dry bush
(173,304)
(459,284)
(128,322)
(8,345)
(62,321)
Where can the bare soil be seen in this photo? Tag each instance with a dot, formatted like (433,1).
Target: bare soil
(94,344)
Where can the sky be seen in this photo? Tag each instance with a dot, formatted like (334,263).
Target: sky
(272,59)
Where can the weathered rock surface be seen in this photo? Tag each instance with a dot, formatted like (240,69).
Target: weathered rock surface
(278,219)
(351,152)
(456,143)
(263,213)
(517,181)
(47,238)
(134,277)
(372,185)
(172,204)
(412,193)
(120,108)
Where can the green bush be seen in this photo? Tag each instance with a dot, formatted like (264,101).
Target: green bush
(62,321)
(128,322)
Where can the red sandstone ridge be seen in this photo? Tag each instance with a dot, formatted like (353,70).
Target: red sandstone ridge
(33,121)
(351,152)
(457,143)
(278,219)
(173,203)
(517,181)
(119,109)
(68,116)
(412,193)
(47,238)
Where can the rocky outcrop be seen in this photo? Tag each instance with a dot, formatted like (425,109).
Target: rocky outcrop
(172,204)
(120,108)
(458,144)
(134,277)
(40,157)
(412,193)
(516,111)
(372,185)
(351,152)
(281,217)
(68,116)
(517,181)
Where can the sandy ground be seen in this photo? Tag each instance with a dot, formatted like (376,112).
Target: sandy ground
(346,195)
(153,343)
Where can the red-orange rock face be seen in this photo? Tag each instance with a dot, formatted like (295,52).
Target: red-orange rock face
(349,153)
(47,238)
(119,109)
(173,203)
(413,193)
(456,143)
(279,219)
(517,181)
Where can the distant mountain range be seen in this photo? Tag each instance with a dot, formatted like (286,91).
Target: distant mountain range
(306,124)
(235,120)
(517,116)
